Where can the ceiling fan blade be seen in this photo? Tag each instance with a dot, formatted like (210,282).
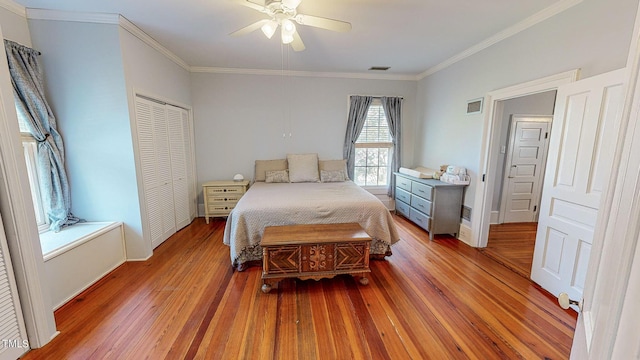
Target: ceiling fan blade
(291,4)
(251,5)
(297,43)
(323,23)
(247,29)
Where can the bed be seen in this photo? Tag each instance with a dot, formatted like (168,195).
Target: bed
(284,203)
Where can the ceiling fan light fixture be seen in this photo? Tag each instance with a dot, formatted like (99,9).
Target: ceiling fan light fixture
(288,26)
(288,29)
(269,28)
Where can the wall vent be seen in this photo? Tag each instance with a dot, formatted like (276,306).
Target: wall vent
(466,213)
(380,68)
(474,106)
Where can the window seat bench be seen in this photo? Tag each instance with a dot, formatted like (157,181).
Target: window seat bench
(79,255)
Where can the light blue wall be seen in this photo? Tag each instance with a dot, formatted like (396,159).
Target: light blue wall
(85,85)
(593,36)
(151,72)
(242,118)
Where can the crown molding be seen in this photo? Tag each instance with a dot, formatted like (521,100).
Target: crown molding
(57,15)
(238,71)
(144,37)
(103,18)
(532,20)
(13,7)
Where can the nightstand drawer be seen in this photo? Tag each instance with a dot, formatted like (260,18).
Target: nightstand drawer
(421,204)
(223,198)
(422,190)
(225,190)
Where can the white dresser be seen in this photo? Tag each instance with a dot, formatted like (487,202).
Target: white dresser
(220,197)
(432,204)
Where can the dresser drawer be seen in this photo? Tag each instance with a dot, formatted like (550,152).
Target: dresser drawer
(403,196)
(402,208)
(420,219)
(403,183)
(422,190)
(424,206)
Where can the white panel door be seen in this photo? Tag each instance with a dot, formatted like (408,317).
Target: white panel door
(585,125)
(524,168)
(13,334)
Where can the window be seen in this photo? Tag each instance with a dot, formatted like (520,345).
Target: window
(30,149)
(373,149)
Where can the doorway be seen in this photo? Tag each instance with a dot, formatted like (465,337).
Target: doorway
(513,223)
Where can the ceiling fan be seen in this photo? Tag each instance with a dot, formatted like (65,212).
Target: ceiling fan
(283,13)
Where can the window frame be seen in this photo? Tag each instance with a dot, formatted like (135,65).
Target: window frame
(376,145)
(30,153)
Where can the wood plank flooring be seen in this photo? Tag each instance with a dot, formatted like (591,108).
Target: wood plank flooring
(436,299)
(512,244)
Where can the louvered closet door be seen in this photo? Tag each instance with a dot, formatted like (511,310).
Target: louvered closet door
(155,165)
(12,329)
(150,183)
(163,163)
(178,166)
(187,133)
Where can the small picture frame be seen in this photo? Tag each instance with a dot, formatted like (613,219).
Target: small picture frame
(474,106)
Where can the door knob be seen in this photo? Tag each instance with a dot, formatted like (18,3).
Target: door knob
(565,302)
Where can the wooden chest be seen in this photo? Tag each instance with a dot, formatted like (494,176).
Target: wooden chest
(314,251)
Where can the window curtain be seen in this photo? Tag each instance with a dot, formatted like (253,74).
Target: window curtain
(28,91)
(358,107)
(392,107)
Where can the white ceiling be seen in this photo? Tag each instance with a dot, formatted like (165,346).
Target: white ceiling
(410,36)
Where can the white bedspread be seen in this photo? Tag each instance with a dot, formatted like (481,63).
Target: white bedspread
(272,204)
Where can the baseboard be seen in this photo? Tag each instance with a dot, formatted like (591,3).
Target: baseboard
(495,217)
(464,234)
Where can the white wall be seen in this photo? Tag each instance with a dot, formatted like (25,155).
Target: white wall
(536,104)
(151,72)
(14,27)
(241,118)
(85,85)
(593,36)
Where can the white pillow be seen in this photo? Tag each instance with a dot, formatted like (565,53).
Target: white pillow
(303,168)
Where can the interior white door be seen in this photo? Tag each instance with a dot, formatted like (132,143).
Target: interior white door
(582,144)
(524,168)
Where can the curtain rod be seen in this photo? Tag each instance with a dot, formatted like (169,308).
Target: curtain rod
(24,47)
(379,97)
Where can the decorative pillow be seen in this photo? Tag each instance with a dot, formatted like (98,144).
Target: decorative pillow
(277,176)
(332,176)
(303,168)
(262,166)
(331,165)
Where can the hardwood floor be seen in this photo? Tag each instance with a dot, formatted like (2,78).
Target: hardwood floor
(511,244)
(436,299)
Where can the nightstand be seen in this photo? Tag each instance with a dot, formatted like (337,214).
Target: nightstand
(220,197)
